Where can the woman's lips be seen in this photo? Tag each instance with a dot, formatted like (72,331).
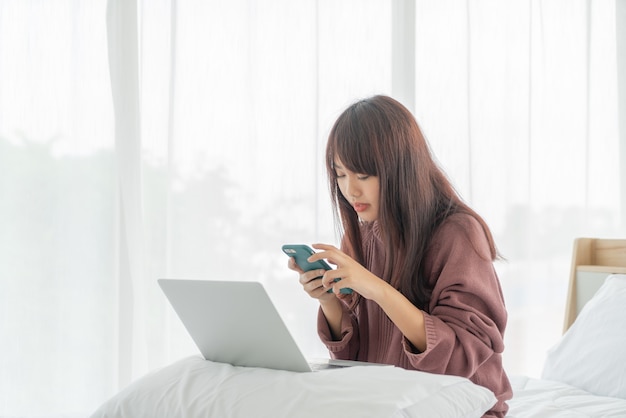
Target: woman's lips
(360,207)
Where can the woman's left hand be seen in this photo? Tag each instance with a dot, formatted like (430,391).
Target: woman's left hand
(351,273)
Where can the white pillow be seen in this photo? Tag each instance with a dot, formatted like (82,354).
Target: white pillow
(591,355)
(194,387)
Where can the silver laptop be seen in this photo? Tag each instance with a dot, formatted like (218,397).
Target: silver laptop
(236,322)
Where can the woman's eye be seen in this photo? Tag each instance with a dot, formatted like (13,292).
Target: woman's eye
(362,176)
(338,175)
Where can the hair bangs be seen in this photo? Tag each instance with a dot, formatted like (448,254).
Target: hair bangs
(351,141)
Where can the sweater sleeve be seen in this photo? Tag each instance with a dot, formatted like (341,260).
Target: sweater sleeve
(347,347)
(466,317)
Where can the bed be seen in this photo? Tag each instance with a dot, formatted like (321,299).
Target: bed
(584,374)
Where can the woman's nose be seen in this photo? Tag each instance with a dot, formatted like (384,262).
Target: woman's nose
(352,188)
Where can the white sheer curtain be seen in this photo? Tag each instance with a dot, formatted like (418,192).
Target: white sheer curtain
(519,101)
(185,139)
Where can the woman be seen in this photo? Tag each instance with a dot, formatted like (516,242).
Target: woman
(419,260)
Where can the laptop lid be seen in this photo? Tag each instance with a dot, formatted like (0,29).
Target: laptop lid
(234,322)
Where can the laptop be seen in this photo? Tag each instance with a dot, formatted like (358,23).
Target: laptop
(235,322)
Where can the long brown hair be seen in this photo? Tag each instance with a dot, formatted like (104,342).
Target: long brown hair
(380,137)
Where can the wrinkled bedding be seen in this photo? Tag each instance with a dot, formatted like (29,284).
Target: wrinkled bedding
(194,387)
(539,398)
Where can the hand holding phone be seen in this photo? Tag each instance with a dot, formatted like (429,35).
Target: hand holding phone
(301,253)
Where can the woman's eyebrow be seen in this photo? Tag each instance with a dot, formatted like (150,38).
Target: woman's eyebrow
(337,166)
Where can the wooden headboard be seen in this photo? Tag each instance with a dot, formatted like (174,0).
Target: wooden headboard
(593,260)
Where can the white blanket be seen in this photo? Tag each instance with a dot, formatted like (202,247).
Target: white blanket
(194,387)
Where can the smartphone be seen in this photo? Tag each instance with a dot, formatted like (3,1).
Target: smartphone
(300,252)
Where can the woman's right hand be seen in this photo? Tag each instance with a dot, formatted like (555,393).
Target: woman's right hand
(311,282)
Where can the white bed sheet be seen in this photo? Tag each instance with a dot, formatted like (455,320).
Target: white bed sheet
(538,398)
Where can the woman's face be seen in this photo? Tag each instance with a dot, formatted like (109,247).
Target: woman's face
(361,190)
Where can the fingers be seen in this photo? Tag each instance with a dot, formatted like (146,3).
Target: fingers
(324,247)
(293,266)
(315,289)
(311,281)
(310,276)
(328,252)
(330,278)
(320,284)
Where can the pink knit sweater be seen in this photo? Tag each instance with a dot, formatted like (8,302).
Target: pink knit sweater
(465,319)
